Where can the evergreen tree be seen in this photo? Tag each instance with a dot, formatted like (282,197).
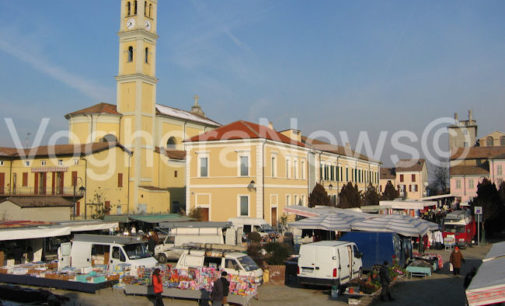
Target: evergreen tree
(390,193)
(493,210)
(319,196)
(349,196)
(371,196)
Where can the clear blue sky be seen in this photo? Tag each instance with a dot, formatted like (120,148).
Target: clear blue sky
(335,65)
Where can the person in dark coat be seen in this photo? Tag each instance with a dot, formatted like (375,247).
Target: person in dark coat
(385,280)
(220,290)
(456,260)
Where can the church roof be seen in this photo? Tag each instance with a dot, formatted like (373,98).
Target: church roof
(478,152)
(331,148)
(244,130)
(468,170)
(100,108)
(184,115)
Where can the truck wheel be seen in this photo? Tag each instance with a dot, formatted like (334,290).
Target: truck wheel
(162,258)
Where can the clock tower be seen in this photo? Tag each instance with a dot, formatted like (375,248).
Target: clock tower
(136,89)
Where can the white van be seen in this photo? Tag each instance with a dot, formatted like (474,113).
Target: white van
(91,250)
(181,233)
(233,263)
(249,225)
(328,263)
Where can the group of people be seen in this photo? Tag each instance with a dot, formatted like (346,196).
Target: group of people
(218,296)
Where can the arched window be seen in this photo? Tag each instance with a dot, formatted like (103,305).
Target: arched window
(135,8)
(145,8)
(147,56)
(128,8)
(130,54)
(150,9)
(109,138)
(171,143)
(489,141)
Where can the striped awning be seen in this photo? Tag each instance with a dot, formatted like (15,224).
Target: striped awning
(330,222)
(403,225)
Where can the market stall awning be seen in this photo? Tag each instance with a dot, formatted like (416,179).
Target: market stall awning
(195,224)
(33,232)
(84,226)
(303,211)
(329,222)
(488,285)
(152,219)
(403,225)
(408,204)
(323,210)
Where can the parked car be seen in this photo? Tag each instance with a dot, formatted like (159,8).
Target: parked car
(329,263)
(89,250)
(234,263)
(378,247)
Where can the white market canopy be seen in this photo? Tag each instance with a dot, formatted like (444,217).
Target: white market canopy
(408,204)
(330,222)
(403,225)
(488,285)
(53,230)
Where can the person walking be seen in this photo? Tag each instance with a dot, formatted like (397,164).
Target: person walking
(220,290)
(456,260)
(385,280)
(157,288)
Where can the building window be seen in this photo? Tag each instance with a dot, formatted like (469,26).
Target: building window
(410,188)
(145,8)
(413,178)
(415,188)
(244,165)
(470,183)
(27,163)
(274,166)
(458,184)
(502,141)
(296,200)
(489,141)
(204,166)
(60,162)
(244,206)
(499,170)
(43,163)
(302,200)
(120,180)
(175,173)
(332,173)
(130,54)
(150,9)
(1,162)
(401,178)
(303,169)
(76,162)
(135,7)
(295,169)
(25,179)
(128,8)
(147,56)
(171,143)
(288,200)
(346,174)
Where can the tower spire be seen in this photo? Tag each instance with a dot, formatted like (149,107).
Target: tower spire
(196,109)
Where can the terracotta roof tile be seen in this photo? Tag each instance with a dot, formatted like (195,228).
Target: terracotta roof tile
(410,165)
(172,154)
(478,152)
(468,170)
(39,201)
(388,173)
(63,150)
(244,130)
(100,108)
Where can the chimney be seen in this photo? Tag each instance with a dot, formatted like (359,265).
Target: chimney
(270,125)
(469,115)
(456,116)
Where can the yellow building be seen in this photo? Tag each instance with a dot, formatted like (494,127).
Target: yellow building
(152,175)
(410,178)
(246,169)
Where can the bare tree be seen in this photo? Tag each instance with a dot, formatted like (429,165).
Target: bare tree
(440,182)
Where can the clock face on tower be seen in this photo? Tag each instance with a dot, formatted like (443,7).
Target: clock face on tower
(130,23)
(147,24)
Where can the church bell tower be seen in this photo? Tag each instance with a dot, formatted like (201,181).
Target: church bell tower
(136,88)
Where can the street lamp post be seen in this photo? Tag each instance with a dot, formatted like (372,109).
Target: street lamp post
(82,189)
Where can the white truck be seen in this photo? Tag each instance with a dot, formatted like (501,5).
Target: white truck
(181,233)
(258,225)
(329,263)
(234,263)
(89,250)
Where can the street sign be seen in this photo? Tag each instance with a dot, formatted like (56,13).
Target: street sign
(478,210)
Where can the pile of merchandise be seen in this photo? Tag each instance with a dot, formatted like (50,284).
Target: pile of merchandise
(196,279)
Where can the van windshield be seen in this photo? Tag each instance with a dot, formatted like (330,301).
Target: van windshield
(267,228)
(247,263)
(136,251)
